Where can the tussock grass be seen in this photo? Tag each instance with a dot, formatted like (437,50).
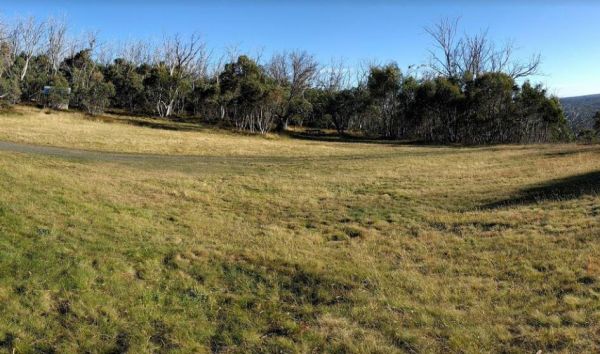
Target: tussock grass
(297,247)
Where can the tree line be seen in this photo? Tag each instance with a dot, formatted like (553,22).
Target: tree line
(468,93)
(591,135)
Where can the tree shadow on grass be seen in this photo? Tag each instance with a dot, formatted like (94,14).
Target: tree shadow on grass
(560,189)
(331,137)
(590,149)
(166,125)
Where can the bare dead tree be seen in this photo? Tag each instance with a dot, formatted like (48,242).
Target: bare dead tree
(180,57)
(27,36)
(361,72)
(201,67)
(72,46)
(105,53)
(454,56)
(295,70)
(56,41)
(136,52)
(3,30)
(232,52)
(500,59)
(179,54)
(475,54)
(5,50)
(336,76)
(258,55)
(216,66)
(447,47)
(278,68)
(91,41)
(524,69)
(303,70)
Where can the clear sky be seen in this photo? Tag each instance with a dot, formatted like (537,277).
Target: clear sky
(566,33)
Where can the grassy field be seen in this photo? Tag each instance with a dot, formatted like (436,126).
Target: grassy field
(200,240)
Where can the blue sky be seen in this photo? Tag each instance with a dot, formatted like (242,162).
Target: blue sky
(567,33)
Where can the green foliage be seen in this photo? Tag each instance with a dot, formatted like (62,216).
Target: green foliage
(588,136)
(591,135)
(542,117)
(164,89)
(204,100)
(156,86)
(318,117)
(384,81)
(10,90)
(90,91)
(38,75)
(249,95)
(299,107)
(489,109)
(128,83)
(59,94)
(438,108)
(597,123)
(472,106)
(343,106)
(95,96)
(384,85)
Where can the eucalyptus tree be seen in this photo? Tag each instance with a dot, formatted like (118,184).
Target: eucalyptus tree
(335,76)
(437,111)
(252,97)
(295,73)
(27,39)
(59,94)
(90,90)
(469,94)
(38,76)
(173,70)
(128,83)
(444,55)
(56,42)
(325,99)
(384,85)
(204,100)
(345,108)
(490,99)
(468,56)
(9,83)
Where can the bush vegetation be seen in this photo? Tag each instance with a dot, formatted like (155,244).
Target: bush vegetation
(472,92)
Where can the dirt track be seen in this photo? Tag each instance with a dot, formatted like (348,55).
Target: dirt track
(185,163)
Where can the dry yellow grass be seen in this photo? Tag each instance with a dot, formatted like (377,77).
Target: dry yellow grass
(295,246)
(76,130)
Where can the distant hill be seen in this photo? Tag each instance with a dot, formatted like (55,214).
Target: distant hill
(580,110)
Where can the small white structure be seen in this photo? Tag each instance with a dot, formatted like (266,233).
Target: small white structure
(64,93)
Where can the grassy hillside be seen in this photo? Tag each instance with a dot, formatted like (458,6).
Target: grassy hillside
(581,110)
(210,241)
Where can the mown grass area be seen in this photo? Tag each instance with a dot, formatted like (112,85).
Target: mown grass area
(279,245)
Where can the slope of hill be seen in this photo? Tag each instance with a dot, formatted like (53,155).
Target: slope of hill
(580,110)
(122,238)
